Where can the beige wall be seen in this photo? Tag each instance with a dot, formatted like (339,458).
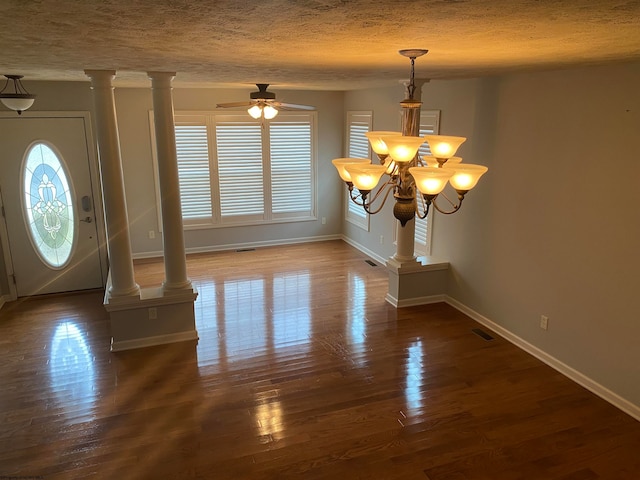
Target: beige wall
(553,228)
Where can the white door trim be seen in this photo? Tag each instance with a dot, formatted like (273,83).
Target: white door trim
(96,190)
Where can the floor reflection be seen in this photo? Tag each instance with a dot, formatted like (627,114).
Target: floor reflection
(72,372)
(268,417)
(241,318)
(415,373)
(356,320)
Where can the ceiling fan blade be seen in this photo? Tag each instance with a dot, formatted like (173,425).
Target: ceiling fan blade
(292,106)
(234,104)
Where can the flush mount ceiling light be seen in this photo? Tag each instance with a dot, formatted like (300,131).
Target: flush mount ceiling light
(19,99)
(415,181)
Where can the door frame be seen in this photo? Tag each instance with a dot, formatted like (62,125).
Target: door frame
(96,192)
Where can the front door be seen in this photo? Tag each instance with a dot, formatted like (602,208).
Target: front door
(45,180)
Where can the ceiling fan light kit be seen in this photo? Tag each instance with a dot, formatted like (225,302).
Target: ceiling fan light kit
(263,104)
(416,182)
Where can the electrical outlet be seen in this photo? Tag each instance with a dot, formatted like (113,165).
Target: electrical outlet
(152,234)
(324,220)
(544,322)
(381,239)
(153,313)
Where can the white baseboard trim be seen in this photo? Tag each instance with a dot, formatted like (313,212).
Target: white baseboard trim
(237,246)
(365,250)
(569,372)
(412,302)
(3,299)
(119,346)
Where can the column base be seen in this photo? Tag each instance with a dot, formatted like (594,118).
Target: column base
(151,318)
(420,281)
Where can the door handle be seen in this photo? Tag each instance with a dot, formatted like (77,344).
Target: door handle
(86,219)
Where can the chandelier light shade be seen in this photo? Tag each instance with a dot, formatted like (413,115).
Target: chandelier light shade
(416,182)
(365,177)
(432,161)
(14,96)
(465,177)
(341,163)
(442,146)
(377,144)
(431,180)
(402,148)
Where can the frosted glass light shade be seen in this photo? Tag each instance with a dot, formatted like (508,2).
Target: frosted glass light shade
(442,146)
(255,111)
(375,139)
(432,161)
(269,112)
(365,177)
(17,103)
(341,163)
(403,148)
(466,176)
(431,180)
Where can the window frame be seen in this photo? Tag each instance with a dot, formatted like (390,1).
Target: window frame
(210,119)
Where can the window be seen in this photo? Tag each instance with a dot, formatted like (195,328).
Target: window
(358,123)
(429,125)
(234,170)
(48,206)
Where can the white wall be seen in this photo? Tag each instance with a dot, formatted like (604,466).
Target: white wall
(553,227)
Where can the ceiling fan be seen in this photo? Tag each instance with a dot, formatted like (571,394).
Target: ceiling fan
(264,104)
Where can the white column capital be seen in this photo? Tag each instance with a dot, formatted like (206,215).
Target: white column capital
(101,78)
(161,79)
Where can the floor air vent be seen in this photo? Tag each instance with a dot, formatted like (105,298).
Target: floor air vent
(482,334)
(246,250)
(373,264)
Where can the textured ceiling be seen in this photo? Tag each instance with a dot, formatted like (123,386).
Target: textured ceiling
(311,44)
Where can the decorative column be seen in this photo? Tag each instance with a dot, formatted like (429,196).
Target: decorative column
(410,127)
(413,282)
(117,222)
(175,265)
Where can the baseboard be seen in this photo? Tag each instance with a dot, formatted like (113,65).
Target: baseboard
(3,300)
(413,302)
(236,246)
(569,372)
(365,250)
(119,346)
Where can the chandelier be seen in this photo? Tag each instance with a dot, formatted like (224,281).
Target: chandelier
(18,99)
(416,181)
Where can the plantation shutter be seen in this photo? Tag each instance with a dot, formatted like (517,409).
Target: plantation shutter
(192,151)
(240,171)
(291,166)
(358,123)
(429,125)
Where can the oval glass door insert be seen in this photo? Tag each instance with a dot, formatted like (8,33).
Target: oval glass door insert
(48,205)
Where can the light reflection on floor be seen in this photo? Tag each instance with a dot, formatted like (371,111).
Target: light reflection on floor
(72,373)
(241,318)
(415,373)
(238,319)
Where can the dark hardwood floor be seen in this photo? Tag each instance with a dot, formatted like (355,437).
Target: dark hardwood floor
(301,371)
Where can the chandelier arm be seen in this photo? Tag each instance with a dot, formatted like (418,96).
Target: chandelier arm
(388,184)
(455,207)
(389,189)
(448,199)
(425,207)
(356,198)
